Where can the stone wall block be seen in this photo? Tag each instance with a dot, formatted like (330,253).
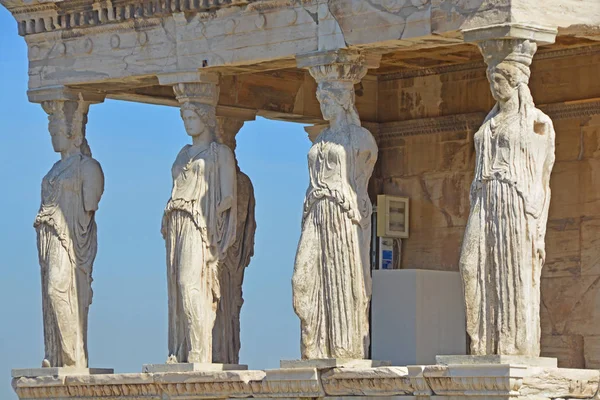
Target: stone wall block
(437,250)
(393,161)
(590,186)
(591,346)
(568,350)
(590,246)
(569,305)
(591,138)
(569,140)
(566,189)
(562,248)
(456,156)
(423,154)
(549,77)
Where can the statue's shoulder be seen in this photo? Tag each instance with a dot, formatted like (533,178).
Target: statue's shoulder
(543,124)
(365,136)
(91,172)
(90,165)
(224,151)
(542,117)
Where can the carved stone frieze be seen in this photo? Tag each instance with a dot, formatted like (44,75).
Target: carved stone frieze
(62,16)
(383,381)
(480,381)
(389,133)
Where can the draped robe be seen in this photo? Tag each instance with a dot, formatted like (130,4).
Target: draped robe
(67,246)
(332,281)
(503,249)
(197,236)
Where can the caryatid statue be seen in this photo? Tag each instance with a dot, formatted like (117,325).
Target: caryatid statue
(332,281)
(66,235)
(503,250)
(199,225)
(226,332)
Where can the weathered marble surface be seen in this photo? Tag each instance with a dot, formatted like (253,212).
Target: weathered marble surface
(503,249)
(66,235)
(480,382)
(226,332)
(191,367)
(199,226)
(180,36)
(332,278)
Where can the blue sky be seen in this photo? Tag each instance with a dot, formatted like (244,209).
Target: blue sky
(136,145)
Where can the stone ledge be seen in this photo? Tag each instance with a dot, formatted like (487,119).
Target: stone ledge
(539,34)
(54,371)
(192,367)
(482,381)
(497,359)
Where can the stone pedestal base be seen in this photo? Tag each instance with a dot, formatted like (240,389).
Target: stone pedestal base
(442,382)
(416,315)
(495,360)
(324,363)
(191,367)
(55,371)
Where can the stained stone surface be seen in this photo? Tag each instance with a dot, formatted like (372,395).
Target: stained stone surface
(498,359)
(332,363)
(459,381)
(190,367)
(58,371)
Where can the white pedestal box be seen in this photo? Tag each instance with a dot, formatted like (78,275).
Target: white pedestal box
(416,316)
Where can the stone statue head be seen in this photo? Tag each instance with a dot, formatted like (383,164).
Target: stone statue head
(505,79)
(508,63)
(66,124)
(335,98)
(199,119)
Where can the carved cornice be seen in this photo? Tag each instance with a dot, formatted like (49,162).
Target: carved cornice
(65,16)
(575,109)
(388,132)
(429,126)
(383,381)
(482,380)
(458,380)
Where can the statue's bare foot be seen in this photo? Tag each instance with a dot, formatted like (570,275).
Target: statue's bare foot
(45,363)
(172,359)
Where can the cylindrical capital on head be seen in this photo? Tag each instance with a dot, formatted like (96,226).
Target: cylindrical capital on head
(339,65)
(203,93)
(73,113)
(496,51)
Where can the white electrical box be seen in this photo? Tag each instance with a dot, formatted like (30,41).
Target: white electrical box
(392,216)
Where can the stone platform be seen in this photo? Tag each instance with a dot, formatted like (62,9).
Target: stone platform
(192,367)
(447,382)
(548,362)
(324,363)
(62,371)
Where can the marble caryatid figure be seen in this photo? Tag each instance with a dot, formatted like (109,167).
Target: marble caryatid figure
(226,332)
(332,281)
(503,250)
(66,235)
(199,226)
